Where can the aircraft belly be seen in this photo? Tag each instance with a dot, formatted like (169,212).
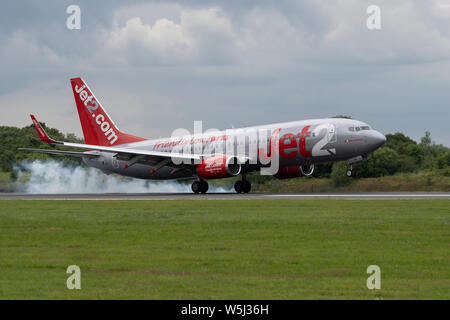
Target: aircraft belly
(109,164)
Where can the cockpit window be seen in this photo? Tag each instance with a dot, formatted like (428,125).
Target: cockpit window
(359,128)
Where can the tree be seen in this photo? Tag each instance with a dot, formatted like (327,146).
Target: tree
(339,174)
(415,151)
(342,116)
(443,160)
(426,139)
(384,161)
(398,142)
(12,138)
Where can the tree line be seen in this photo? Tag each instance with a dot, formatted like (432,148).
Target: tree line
(400,154)
(12,138)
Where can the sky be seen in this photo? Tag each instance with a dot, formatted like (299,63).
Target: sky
(161,65)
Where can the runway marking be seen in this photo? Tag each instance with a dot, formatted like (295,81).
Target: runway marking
(223,196)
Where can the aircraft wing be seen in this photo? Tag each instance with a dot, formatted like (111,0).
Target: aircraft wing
(121,152)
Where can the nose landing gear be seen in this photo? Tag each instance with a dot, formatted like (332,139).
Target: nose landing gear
(200,186)
(349,171)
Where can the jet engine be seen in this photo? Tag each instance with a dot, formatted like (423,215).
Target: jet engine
(219,167)
(307,170)
(288,172)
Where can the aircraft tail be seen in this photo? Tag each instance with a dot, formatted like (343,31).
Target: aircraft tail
(98,127)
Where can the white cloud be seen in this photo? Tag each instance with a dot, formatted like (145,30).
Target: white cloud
(441,8)
(163,36)
(268,37)
(407,36)
(201,35)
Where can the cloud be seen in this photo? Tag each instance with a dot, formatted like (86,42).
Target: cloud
(164,36)
(20,51)
(202,36)
(406,35)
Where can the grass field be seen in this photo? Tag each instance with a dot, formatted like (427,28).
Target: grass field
(232,249)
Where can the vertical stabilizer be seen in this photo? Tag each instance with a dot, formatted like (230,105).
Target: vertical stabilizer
(98,127)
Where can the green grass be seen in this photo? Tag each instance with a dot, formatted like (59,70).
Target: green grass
(5,182)
(233,249)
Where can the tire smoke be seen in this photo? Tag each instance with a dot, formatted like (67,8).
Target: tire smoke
(50,177)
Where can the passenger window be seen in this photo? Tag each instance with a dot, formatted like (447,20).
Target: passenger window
(357,128)
(351,129)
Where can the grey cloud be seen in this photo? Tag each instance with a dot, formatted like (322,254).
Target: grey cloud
(252,62)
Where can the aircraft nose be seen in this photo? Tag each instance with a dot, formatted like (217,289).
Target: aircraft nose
(376,139)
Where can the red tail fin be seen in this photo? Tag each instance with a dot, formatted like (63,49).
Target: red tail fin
(98,127)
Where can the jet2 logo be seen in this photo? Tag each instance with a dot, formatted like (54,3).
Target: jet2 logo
(290,145)
(92,105)
(330,136)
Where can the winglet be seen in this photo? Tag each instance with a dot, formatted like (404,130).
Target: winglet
(41,132)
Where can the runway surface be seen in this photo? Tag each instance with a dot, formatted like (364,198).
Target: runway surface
(225,196)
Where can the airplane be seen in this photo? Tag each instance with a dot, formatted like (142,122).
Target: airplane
(284,150)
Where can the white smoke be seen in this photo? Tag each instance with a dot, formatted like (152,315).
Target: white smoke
(50,177)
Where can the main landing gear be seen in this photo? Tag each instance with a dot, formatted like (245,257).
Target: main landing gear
(200,186)
(242,186)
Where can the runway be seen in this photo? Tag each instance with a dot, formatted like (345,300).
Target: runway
(225,196)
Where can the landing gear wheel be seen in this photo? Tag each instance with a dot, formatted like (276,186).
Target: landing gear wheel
(239,186)
(349,170)
(199,186)
(246,186)
(204,186)
(196,187)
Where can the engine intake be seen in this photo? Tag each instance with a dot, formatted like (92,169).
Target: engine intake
(307,170)
(219,167)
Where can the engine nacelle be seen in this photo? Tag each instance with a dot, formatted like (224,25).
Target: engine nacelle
(219,167)
(307,170)
(288,173)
